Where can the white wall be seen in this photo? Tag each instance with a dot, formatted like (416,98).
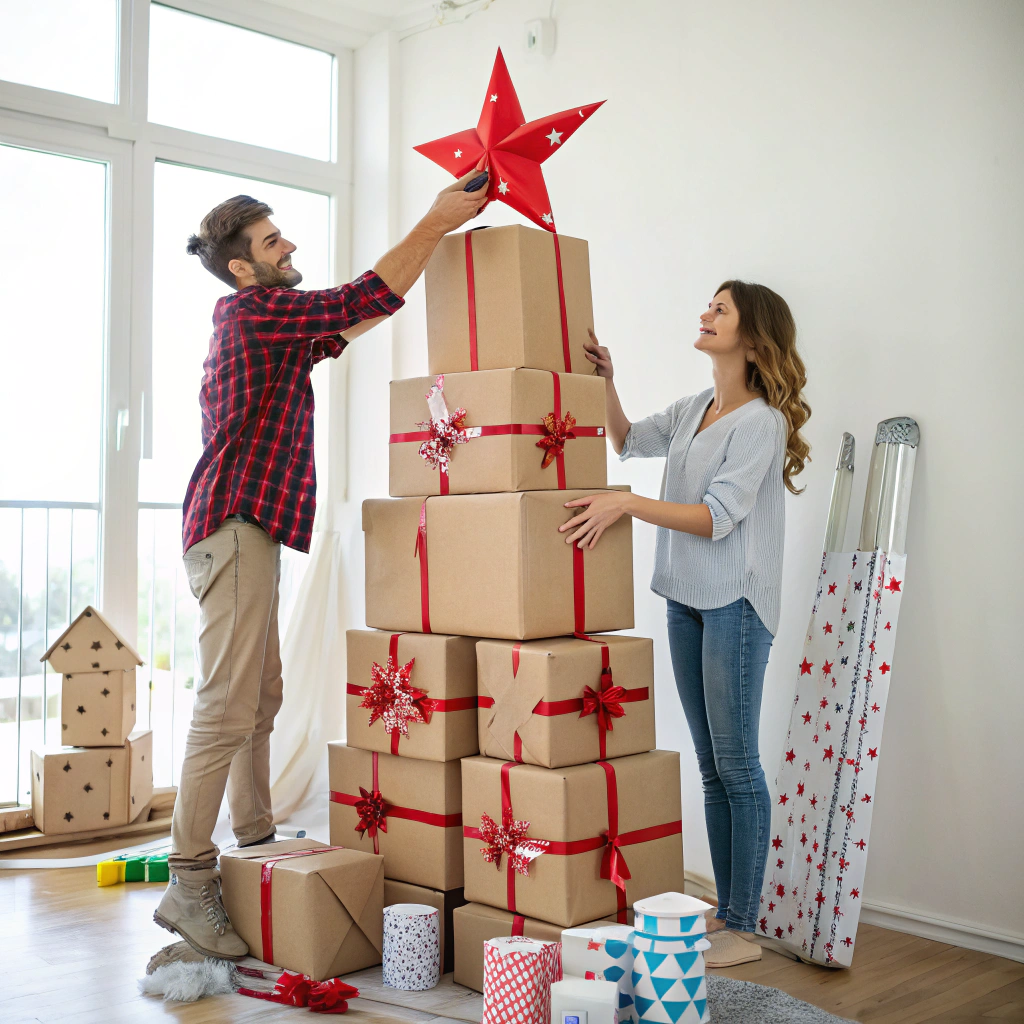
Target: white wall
(865,162)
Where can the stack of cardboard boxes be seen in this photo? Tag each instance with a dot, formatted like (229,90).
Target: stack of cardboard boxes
(569,815)
(102,775)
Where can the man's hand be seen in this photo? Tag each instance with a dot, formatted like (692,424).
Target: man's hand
(599,356)
(453,207)
(599,512)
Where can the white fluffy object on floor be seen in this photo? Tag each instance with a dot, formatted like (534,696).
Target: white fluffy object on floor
(186,982)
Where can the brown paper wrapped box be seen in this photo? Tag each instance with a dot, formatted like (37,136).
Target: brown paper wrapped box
(445,667)
(445,902)
(422,808)
(507,408)
(475,924)
(496,566)
(77,789)
(569,809)
(326,909)
(539,701)
(97,709)
(513,306)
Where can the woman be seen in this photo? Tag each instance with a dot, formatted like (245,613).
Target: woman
(730,450)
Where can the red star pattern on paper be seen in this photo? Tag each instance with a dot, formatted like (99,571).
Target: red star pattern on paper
(872,752)
(805,667)
(826,668)
(806,717)
(883,668)
(763,923)
(827,753)
(783,798)
(510,150)
(777,843)
(799,789)
(831,589)
(827,627)
(790,756)
(894,585)
(393,699)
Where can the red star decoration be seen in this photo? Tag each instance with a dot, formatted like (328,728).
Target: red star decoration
(872,752)
(805,667)
(777,843)
(827,667)
(827,627)
(883,668)
(863,722)
(888,625)
(847,941)
(855,894)
(778,933)
(875,707)
(779,863)
(814,800)
(866,798)
(790,929)
(393,699)
(843,862)
(824,702)
(784,798)
(790,756)
(827,753)
(820,898)
(510,150)
(771,908)
(806,717)
(860,844)
(814,846)
(509,837)
(764,924)
(894,585)
(828,727)
(876,595)
(780,890)
(799,789)
(831,589)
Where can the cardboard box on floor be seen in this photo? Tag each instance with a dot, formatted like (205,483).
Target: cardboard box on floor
(77,789)
(97,709)
(535,691)
(474,924)
(517,314)
(446,904)
(496,567)
(509,401)
(445,667)
(326,909)
(427,853)
(567,805)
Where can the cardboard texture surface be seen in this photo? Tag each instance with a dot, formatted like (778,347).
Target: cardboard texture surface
(445,667)
(91,644)
(571,804)
(97,709)
(501,462)
(327,910)
(496,566)
(523,684)
(515,292)
(446,904)
(414,851)
(78,789)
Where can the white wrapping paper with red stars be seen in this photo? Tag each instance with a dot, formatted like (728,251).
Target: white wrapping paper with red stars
(518,975)
(825,789)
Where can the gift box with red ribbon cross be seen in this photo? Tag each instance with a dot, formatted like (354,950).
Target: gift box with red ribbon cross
(566,701)
(407,810)
(570,845)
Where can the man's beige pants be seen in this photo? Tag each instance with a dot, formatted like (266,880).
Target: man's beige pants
(235,573)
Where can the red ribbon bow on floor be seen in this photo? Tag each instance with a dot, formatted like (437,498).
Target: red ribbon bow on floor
(604,702)
(300,990)
(394,699)
(372,810)
(558,432)
(509,838)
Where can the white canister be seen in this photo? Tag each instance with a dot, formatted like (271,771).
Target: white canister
(669,914)
(412,946)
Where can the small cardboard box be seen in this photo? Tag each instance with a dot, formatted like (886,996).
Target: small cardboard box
(538,700)
(445,903)
(97,709)
(326,909)
(571,806)
(503,427)
(474,924)
(91,644)
(442,666)
(78,789)
(502,284)
(422,801)
(496,566)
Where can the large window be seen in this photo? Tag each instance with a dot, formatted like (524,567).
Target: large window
(121,124)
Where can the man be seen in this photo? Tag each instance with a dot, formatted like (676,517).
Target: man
(254,489)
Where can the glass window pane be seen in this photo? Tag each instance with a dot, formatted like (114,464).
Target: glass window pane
(64,45)
(217,79)
(64,354)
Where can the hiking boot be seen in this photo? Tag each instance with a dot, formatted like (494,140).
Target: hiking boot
(193,909)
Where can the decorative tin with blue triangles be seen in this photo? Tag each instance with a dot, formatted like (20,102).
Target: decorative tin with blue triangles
(603,954)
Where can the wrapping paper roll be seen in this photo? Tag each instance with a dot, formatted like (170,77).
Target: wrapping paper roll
(412,946)
(518,975)
(602,954)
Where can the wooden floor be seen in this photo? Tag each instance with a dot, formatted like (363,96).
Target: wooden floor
(72,953)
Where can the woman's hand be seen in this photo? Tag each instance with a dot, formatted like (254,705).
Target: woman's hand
(599,512)
(599,356)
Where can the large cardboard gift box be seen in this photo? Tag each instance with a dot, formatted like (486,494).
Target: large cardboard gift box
(97,709)
(412,694)
(497,430)
(551,843)
(407,810)
(318,913)
(78,789)
(493,565)
(444,902)
(565,701)
(508,296)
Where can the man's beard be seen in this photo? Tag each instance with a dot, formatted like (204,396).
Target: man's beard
(270,276)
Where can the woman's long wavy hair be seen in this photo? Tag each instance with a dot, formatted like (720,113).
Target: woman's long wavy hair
(777,372)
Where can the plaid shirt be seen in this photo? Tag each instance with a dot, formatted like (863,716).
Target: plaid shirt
(257,404)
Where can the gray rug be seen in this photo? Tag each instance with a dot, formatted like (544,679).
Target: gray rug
(742,1002)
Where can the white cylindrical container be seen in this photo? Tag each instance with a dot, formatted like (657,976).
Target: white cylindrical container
(518,975)
(602,954)
(671,913)
(576,1000)
(412,946)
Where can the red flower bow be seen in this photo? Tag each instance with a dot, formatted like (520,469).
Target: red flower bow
(445,434)
(510,837)
(372,810)
(300,990)
(603,702)
(394,699)
(558,432)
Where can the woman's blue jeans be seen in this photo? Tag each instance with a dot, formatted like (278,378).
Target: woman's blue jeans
(719,657)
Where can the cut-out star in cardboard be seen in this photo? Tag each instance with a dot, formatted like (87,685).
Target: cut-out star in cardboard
(510,150)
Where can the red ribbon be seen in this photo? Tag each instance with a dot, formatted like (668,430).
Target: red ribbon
(266,905)
(301,990)
(421,553)
(566,354)
(518,924)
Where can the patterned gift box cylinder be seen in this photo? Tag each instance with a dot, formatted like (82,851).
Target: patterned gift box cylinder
(412,947)
(602,954)
(518,975)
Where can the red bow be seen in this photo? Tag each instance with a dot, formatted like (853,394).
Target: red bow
(603,702)
(372,811)
(558,432)
(613,863)
(445,434)
(510,837)
(301,990)
(391,697)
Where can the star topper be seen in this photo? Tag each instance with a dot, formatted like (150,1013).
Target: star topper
(510,150)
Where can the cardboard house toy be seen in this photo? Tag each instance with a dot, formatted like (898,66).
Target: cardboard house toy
(91,644)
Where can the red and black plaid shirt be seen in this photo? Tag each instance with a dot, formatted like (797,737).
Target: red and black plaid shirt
(257,404)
